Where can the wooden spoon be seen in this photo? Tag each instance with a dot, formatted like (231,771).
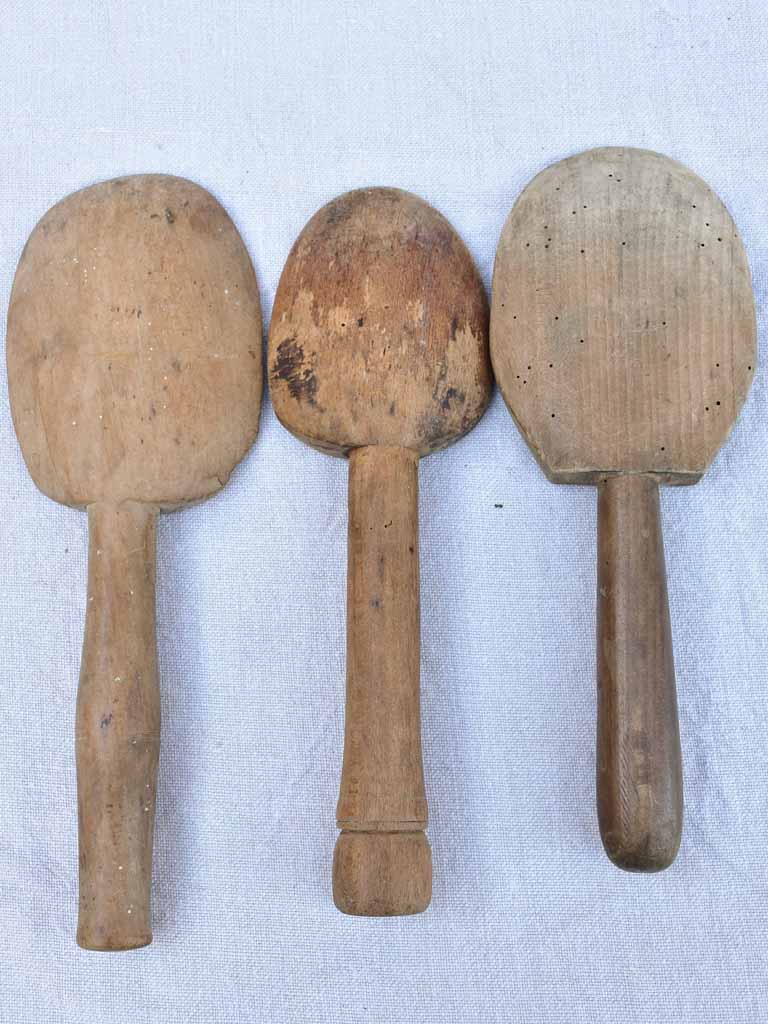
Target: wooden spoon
(623,340)
(134,372)
(378,351)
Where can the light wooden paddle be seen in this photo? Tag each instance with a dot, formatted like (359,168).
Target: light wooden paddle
(134,369)
(623,340)
(378,351)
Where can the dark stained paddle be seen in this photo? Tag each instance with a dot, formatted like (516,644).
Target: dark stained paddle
(378,351)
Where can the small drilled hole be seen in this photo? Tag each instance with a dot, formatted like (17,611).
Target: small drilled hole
(581,250)
(749,367)
(717,403)
(662,447)
(553,415)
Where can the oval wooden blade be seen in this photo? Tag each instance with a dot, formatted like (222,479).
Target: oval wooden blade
(379,328)
(623,325)
(133,346)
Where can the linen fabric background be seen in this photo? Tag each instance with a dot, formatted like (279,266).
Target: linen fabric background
(277,108)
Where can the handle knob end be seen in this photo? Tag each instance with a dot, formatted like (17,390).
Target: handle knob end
(382,874)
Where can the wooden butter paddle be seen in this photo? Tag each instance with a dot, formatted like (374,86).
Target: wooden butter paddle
(134,370)
(378,351)
(623,341)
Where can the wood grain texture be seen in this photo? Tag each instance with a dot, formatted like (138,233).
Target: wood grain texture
(134,371)
(639,771)
(378,350)
(134,359)
(623,324)
(379,328)
(623,340)
(382,796)
(118,729)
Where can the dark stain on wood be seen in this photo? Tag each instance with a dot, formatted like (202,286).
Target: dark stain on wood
(289,367)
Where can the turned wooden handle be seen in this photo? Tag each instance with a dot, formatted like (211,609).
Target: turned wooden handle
(382,863)
(639,774)
(118,729)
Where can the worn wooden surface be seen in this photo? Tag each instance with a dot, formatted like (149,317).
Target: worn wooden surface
(134,371)
(623,326)
(623,340)
(118,728)
(378,349)
(379,328)
(639,777)
(382,780)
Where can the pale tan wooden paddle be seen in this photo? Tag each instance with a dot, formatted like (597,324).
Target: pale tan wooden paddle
(623,341)
(378,351)
(134,370)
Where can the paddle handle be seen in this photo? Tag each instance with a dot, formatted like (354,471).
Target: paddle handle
(382,863)
(118,729)
(639,775)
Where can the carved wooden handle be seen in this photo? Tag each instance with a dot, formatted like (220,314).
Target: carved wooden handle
(382,863)
(118,729)
(639,776)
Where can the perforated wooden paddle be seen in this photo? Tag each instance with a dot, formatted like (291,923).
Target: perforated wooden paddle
(623,340)
(134,371)
(378,351)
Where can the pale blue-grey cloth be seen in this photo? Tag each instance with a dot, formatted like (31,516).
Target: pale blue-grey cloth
(277,107)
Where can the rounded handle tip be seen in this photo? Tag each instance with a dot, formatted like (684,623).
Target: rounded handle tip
(643,852)
(382,874)
(104,925)
(114,942)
